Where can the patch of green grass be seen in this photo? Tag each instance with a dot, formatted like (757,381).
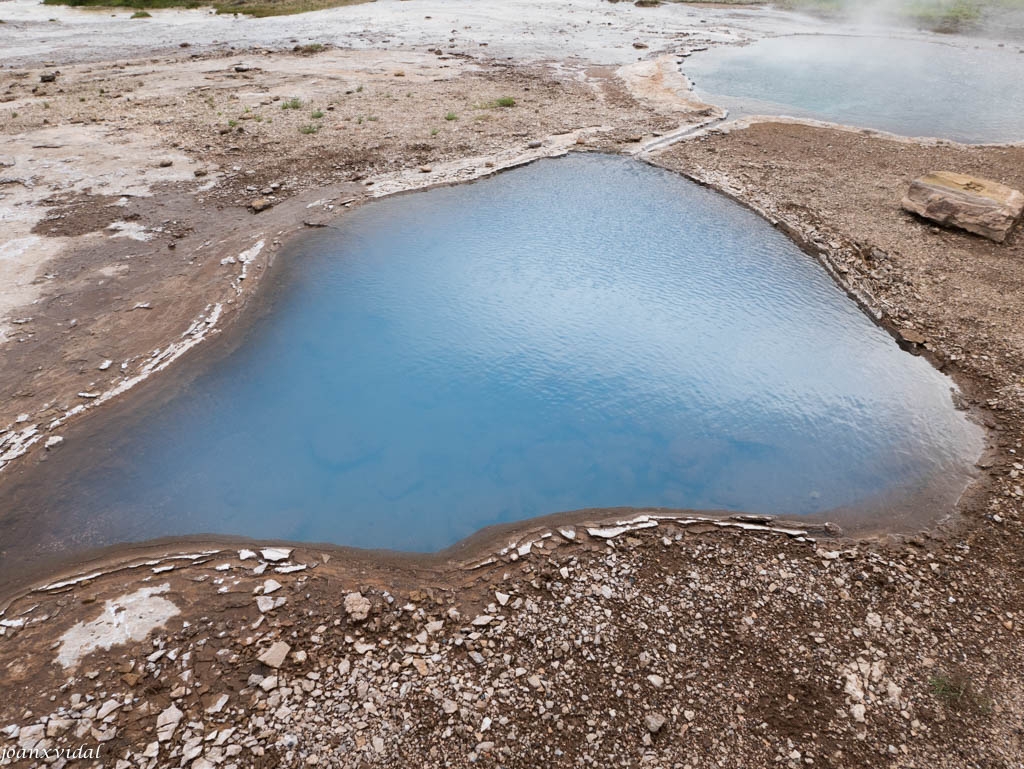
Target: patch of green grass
(291,104)
(141,15)
(435,131)
(232,123)
(451,116)
(309,129)
(503,101)
(943,15)
(316,115)
(309,48)
(956,690)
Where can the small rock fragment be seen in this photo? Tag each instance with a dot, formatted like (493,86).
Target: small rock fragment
(275,656)
(654,722)
(167,722)
(275,553)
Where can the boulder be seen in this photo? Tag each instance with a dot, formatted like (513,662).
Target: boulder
(980,206)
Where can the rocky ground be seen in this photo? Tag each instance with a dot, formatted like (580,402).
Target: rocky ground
(656,643)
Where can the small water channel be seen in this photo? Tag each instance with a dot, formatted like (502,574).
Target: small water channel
(582,332)
(966,92)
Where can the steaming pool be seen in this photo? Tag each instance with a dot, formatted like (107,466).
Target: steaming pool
(582,332)
(960,92)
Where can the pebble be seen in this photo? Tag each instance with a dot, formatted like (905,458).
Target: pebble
(654,722)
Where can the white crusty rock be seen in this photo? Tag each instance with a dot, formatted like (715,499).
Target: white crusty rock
(264,603)
(275,553)
(357,606)
(275,656)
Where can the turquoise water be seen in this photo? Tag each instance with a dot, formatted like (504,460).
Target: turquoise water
(913,88)
(581,332)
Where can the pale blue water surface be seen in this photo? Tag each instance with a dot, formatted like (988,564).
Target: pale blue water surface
(964,92)
(582,332)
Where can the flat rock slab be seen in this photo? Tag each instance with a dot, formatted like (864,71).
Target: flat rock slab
(980,206)
(276,655)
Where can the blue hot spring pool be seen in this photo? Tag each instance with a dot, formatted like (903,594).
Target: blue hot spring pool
(965,92)
(582,332)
